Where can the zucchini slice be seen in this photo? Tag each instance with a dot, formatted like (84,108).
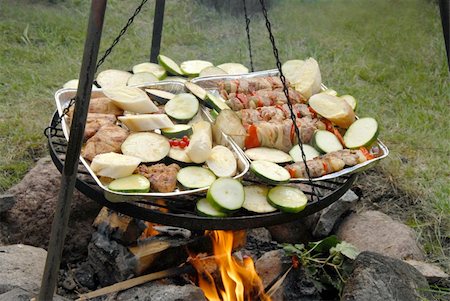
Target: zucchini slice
(156,69)
(270,172)
(326,142)
(195,177)
(363,132)
(233,68)
(196,90)
(182,107)
(256,199)
(350,100)
(268,154)
(149,147)
(216,102)
(222,162)
(287,199)
(204,207)
(177,131)
(210,71)
(134,183)
(310,153)
(141,78)
(159,96)
(226,194)
(193,67)
(170,65)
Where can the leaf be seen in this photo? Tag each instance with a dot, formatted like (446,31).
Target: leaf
(346,249)
(324,245)
(291,250)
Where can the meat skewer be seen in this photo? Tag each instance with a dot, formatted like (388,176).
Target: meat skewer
(261,98)
(248,85)
(273,113)
(326,164)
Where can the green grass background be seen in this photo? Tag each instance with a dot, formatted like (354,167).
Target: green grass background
(389,54)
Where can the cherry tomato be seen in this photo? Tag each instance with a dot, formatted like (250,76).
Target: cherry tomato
(187,143)
(182,144)
(175,143)
(185,138)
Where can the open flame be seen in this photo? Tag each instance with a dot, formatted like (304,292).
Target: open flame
(240,282)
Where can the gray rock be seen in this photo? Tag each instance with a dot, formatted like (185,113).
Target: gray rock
(293,232)
(7,201)
(21,266)
(156,291)
(329,216)
(19,294)
(431,272)
(380,278)
(376,232)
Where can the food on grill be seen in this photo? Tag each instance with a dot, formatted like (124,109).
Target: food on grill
(281,135)
(327,163)
(363,132)
(204,207)
(170,65)
(200,144)
(310,153)
(114,165)
(95,121)
(101,105)
(177,131)
(287,199)
(221,161)
(131,99)
(212,70)
(261,98)
(304,76)
(256,199)
(226,194)
(216,102)
(196,90)
(130,184)
(249,85)
(108,138)
(113,78)
(326,142)
(149,147)
(268,154)
(194,67)
(233,68)
(159,96)
(141,78)
(333,108)
(175,79)
(273,113)
(183,107)
(350,100)
(163,178)
(195,177)
(146,122)
(270,172)
(229,123)
(179,155)
(156,69)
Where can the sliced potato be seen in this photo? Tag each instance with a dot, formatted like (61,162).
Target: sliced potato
(308,78)
(131,99)
(333,108)
(113,78)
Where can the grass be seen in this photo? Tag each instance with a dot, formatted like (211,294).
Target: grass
(388,54)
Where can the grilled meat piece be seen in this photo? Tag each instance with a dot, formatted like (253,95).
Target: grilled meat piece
(272,113)
(262,98)
(163,178)
(95,121)
(248,85)
(102,105)
(109,138)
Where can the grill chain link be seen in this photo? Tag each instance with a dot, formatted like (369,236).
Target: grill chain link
(51,130)
(286,92)
(247,29)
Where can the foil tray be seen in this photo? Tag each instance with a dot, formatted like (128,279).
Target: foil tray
(210,83)
(62,98)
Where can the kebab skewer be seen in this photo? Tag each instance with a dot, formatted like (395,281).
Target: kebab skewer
(273,113)
(249,85)
(261,98)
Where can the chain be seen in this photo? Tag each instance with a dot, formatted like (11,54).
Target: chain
(286,93)
(51,130)
(247,28)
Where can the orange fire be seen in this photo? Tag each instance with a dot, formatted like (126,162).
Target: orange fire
(240,282)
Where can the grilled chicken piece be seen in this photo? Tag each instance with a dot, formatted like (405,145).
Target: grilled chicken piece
(326,164)
(163,178)
(262,98)
(248,85)
(95,121)
(272,113)
(101,105)
(109,138)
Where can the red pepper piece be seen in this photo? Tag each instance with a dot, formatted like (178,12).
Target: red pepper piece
(366,153)
(252,137)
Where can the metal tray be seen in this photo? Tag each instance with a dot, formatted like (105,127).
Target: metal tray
(62,98)
(210,83)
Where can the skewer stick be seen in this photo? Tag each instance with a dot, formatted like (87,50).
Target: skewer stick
(136,281)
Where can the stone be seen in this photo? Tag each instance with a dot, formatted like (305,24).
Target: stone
(19,294)
(293,232)
(329,216)
(376,232)
(259,241)
(29,220)
(431,272)
(7,201)
(21,266)
(379,278)
(158,291)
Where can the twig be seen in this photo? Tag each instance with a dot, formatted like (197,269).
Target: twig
(136,281)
